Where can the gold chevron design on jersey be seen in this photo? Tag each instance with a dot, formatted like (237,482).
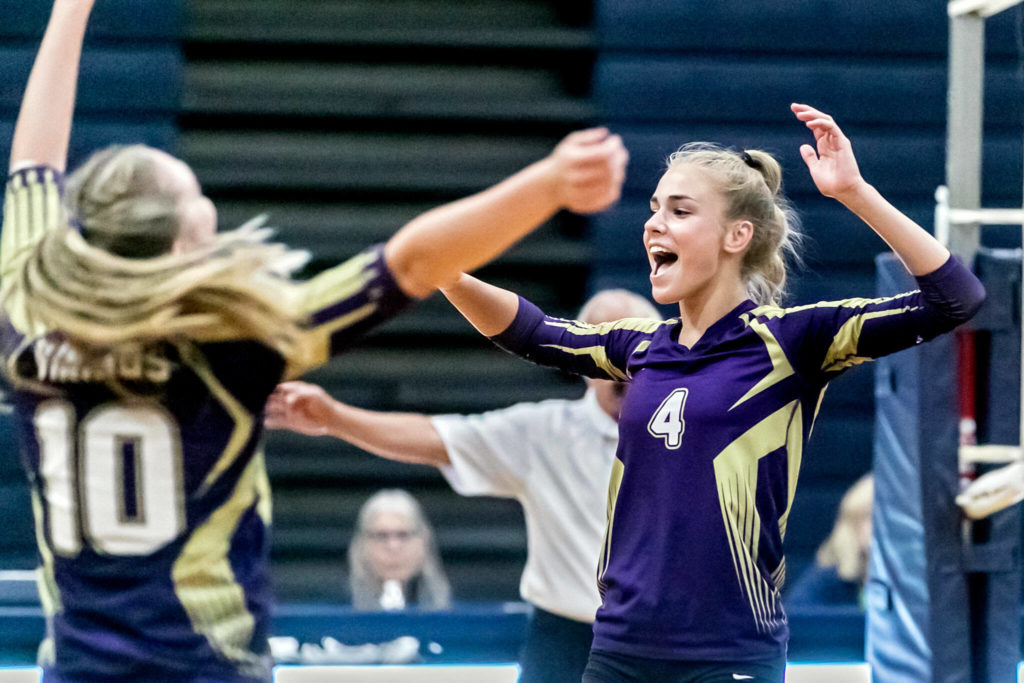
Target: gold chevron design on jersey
(841,354)
(736,479)
(320,337)
(632,324)
(46,583)
(641,347)
(337,283)
(205,583)
(598,354)
(779,575)
(46,580)
(613,496)
(771,311)
(264,507)
(242,418)
(781,369)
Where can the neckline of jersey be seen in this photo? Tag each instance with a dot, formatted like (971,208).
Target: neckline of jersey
(716,329)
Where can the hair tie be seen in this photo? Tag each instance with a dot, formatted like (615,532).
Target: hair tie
(750,161)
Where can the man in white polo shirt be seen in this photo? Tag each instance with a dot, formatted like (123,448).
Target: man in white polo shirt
(554,457)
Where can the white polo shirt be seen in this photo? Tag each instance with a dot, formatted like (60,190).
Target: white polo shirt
(555,457)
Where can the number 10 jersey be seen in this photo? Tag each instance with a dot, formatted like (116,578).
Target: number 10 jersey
(149,489)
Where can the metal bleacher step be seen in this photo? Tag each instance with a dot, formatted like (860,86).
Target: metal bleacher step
(500,537)
(382,91)
(323,579)
(323,519)
(343,120)
(505,24)
(335,231)
(444,380)
(275,161)
(363,365)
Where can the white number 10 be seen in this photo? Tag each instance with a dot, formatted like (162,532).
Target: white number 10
(667,421)
(125,491)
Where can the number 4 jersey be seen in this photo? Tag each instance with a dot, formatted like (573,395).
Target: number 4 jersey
(710,443)
(149,489)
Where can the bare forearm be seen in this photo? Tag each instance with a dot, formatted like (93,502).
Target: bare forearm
(43,129)
(433,249)
(488,308)
(405,437)
(920,252)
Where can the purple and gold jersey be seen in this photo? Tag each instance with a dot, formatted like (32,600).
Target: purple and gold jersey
(710,443)
(152,505)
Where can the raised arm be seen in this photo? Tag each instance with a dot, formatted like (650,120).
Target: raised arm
(43,129)
(834,170)
(307,409)
(584,173)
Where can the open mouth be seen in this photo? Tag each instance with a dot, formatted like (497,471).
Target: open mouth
(662,258)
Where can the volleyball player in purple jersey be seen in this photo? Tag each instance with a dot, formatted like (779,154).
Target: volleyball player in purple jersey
(141,348)
(721,402)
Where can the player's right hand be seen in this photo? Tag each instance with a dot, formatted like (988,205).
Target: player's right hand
(299,407)
(590,167)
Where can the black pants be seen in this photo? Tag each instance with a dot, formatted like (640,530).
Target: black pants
(606,667)
(556,649)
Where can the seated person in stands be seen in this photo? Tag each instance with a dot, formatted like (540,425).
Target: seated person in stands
(393,559)
(841,565)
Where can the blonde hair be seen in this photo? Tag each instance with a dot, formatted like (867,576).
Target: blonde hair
(116,283)
(117,200)
(751,183)
(434,591)
(843,548)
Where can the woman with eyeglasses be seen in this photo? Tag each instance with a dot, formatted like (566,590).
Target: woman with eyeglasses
(393,558)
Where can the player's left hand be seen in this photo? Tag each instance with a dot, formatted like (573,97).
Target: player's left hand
(300,407)
(832,165)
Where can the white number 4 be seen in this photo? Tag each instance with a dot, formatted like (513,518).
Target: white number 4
(667,421)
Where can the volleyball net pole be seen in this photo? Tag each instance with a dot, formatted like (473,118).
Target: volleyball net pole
(944,592)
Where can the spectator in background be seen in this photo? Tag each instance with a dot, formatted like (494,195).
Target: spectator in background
(393,558)
(841,565)
(555,457)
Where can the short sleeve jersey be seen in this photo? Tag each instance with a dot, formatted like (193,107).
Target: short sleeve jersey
(555,458)
(152,505)
(710,444)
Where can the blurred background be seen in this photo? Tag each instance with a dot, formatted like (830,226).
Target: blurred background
(343,119)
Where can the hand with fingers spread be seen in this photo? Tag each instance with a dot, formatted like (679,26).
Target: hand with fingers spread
(833,166)
(590,166)
(300,407)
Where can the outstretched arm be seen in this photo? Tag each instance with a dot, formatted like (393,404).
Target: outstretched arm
(584,173)
(43,129)
(599,351)
(834,170)
(307,409)
(488,308)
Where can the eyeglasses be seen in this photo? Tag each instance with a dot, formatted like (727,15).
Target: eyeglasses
(383,536)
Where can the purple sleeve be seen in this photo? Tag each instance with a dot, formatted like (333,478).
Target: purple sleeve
(952,292)
(349,300)
(598,351)
(948,297)
(831,336)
